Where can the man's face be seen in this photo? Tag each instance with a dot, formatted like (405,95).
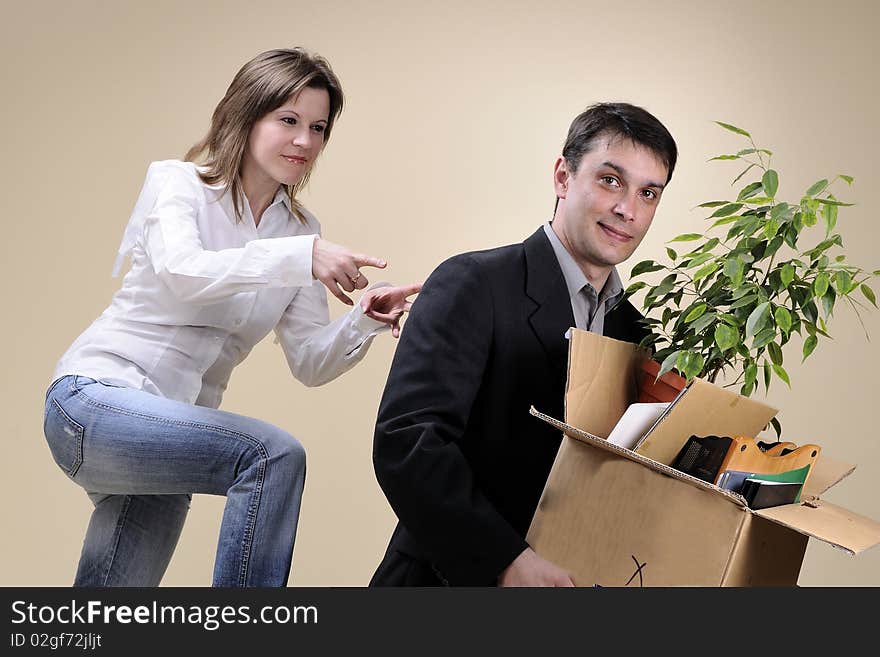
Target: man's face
(606,207)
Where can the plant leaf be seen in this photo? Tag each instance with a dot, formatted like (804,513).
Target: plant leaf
(706,271)
(733,269)
(831,201)
(693,364)
(744,301)
(703,322)
(695,313)
(777,427)
(726,220)
(782,374)
(671,253)
(723,157)
(744,172)
(749,190)
(770,181)
(786,275)
(775,352)
(644,267)
(712,204)
(817,187)
(687,237)
(764,337)
(779,210)
(829,214)
(828,300)
(810,311)
(809,217)
(726,337)
(869,294)
(727,210)
(847,179)
(669,362)
(809,344)
(751,373)
(749,289)
(635,287)
(733,128)
(783,318)
(699,260)
(711,244)
(757,319)
(820,285)
(792,231)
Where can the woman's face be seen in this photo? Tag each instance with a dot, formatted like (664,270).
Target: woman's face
(284,144)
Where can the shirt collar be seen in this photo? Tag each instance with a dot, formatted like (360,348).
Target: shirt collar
(574,275)
(281,196)
(284,197)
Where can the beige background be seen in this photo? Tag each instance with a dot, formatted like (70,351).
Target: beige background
(455,113)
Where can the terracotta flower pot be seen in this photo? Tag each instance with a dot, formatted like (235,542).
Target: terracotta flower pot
(663,390)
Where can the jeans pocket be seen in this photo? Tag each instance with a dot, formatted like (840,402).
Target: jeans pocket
(65,438)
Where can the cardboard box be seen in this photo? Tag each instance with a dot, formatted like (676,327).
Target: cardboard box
(615,517)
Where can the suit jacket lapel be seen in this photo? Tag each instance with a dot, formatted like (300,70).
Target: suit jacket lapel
(622,323)
(546,287)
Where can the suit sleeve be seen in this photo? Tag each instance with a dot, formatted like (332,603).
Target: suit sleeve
(418,444)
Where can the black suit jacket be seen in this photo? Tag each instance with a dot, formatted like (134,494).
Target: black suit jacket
(459,457)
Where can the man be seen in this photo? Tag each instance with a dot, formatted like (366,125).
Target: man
(456,452)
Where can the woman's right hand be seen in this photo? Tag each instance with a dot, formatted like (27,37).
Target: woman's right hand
(338,267)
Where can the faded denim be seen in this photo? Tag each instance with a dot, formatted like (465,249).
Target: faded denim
(140,458)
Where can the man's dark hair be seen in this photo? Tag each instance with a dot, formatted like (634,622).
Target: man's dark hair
(618,120)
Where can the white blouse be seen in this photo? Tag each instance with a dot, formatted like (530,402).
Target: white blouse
(203,289)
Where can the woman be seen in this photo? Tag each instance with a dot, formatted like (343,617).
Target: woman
(220,254)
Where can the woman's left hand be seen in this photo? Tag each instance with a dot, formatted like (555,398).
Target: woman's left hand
(387,304)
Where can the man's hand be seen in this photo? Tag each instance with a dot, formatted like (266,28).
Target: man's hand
(338,267)
(528,569)
(387,304)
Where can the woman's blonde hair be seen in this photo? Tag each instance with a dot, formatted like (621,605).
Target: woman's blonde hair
(262,85)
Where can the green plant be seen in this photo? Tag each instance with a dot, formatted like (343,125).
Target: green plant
(733,302)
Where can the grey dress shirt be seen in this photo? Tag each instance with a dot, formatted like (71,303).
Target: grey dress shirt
(589,307)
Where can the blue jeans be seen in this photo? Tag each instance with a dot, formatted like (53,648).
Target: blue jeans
(140,457)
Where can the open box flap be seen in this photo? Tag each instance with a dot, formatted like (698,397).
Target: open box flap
(826,472)
(827,522)
(601,381)
(601,443)
(704,410)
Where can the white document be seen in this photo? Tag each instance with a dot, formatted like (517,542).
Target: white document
(635,423)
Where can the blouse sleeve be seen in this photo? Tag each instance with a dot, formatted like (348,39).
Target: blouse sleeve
(318,350)
(167,210)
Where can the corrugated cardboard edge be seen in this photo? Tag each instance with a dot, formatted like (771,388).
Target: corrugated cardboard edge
(602,443)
